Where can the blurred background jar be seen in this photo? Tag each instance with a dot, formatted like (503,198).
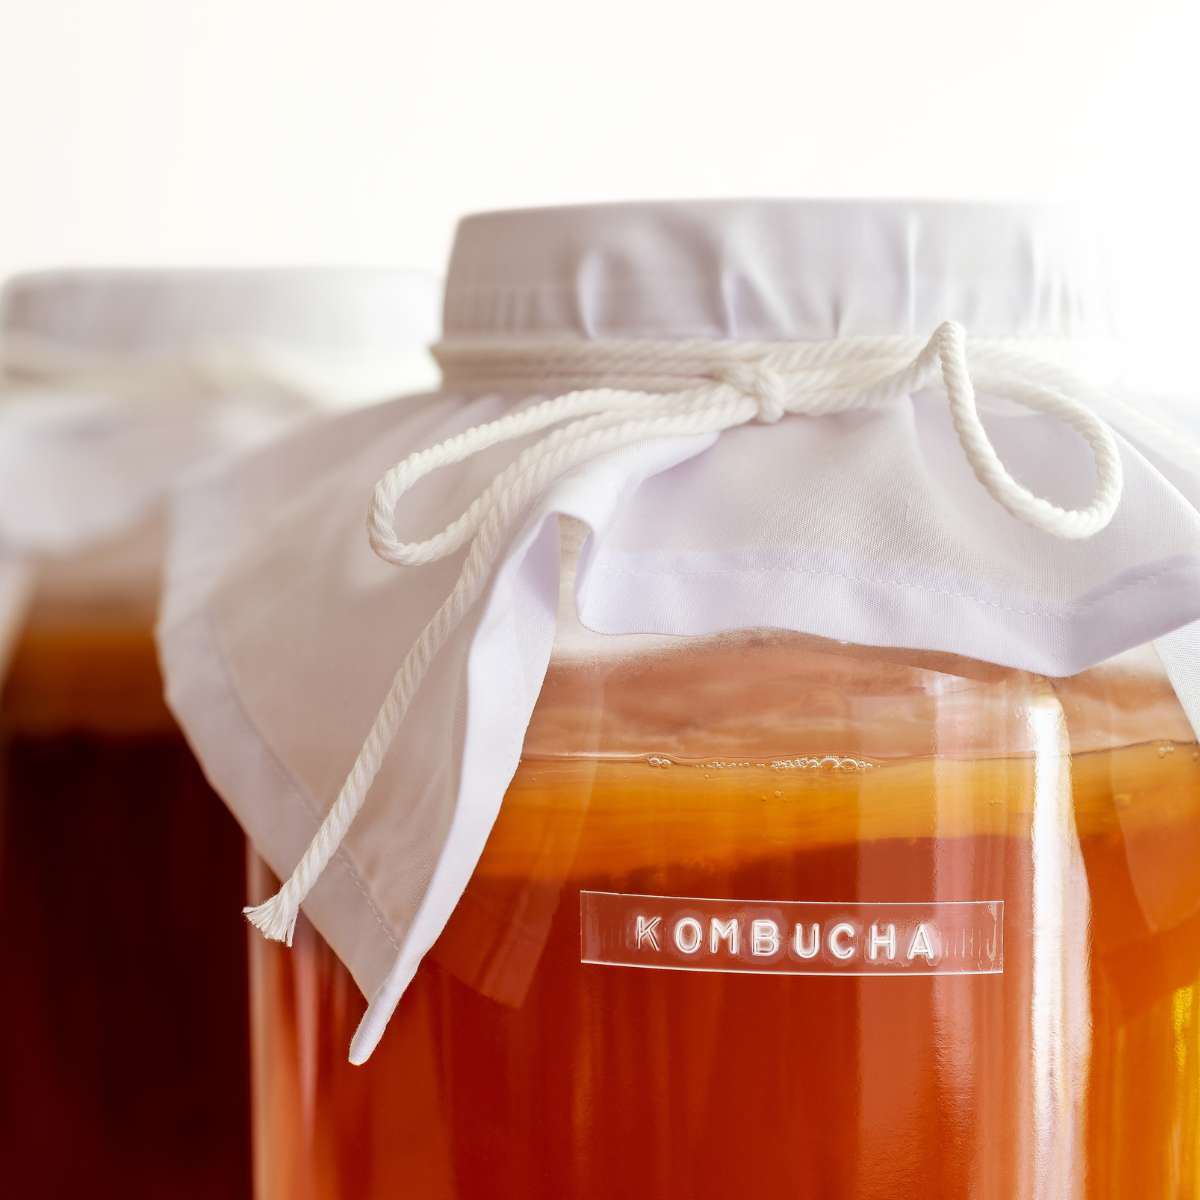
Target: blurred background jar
(123,1007)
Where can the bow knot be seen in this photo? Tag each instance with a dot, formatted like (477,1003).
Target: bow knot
(762,383)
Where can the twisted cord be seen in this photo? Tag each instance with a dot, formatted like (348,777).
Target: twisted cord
(702,388)
(220,369)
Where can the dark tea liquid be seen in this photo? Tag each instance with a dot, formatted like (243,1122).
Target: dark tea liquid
(123,1032)
(513,1069)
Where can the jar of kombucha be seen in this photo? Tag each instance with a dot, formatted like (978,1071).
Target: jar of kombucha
(848,847)
(115,1031)
(901,924)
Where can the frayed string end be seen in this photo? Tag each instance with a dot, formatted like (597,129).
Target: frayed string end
(275,919)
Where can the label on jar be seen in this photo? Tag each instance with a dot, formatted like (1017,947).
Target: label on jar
(792,937)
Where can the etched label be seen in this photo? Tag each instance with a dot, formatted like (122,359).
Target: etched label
(792,937)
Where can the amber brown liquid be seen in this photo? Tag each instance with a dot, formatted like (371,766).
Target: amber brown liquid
(123,1031)
(511,1069)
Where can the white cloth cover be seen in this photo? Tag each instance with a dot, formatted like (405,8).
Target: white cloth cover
(114,383)
(281,631)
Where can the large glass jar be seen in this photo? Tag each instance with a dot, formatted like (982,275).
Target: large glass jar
(927,927)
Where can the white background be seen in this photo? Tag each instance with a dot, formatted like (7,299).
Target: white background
(350,131)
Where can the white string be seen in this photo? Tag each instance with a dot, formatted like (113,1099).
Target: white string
(696,388)
(123,379)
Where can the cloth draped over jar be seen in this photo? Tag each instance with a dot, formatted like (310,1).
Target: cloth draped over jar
(282,630)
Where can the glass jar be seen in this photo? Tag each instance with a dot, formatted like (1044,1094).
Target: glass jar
(110,1023)
(923,926)
(123,1011)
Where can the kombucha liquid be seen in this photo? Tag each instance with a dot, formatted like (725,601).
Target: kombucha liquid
(123,1014)
(512,1069)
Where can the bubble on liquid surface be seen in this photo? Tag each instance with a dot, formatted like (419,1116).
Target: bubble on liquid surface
(819,763)
(828,762)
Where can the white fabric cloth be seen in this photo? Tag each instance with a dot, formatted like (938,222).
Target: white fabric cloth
(281,631)
(1179,651)
(114,383)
